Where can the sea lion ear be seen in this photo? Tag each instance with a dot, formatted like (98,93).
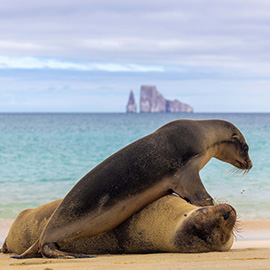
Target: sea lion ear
(235,137)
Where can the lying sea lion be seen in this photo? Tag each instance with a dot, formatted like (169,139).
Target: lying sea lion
(166,161)
(169,224)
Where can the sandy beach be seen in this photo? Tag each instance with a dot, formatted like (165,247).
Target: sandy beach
(251,250)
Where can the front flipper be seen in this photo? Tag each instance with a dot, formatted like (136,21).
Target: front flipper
(190,187)
(51,250)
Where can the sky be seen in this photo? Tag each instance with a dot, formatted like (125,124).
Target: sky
(86,55)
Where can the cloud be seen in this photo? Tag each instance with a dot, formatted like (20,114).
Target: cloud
(141,32)
(187,48)
(35,63)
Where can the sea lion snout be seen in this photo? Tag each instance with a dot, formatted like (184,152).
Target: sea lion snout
(244,163)
(202,199)
(200,202)
(233,149)
(220,215)
(228,215)
(207,202)
(249,164)
(243,158)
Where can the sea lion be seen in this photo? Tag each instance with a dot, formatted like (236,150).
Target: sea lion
(166,161)
(169,224)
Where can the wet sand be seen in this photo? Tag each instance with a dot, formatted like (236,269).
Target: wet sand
(251,250)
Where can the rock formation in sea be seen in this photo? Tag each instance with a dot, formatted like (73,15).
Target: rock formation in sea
(131,105)
(153,102)
(176,106)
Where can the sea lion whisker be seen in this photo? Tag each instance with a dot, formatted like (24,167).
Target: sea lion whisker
(230,172)
(234,171)
(230,221)
(220,200)
(237,229)
(244,173)
(237,172)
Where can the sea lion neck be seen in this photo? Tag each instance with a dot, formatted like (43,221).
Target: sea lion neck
(200,133)
(195,138)
(203,139)
(217,131)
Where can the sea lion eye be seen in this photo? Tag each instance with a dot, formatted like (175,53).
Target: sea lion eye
(245,149)
(235,137)
(226,215)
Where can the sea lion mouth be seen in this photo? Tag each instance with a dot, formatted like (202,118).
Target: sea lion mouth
(246,165)
(206,202)
(186,199)
(241,165)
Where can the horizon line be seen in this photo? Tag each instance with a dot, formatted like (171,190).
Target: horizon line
(86,112)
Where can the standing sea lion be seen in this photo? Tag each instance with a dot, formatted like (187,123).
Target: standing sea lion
(166,161)
(169,224)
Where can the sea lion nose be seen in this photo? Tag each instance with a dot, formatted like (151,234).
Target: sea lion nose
(226,215)
(211,201)
(206,202)
(250,164)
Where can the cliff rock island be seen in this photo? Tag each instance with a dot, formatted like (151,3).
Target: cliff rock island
(152,101)
(131,105)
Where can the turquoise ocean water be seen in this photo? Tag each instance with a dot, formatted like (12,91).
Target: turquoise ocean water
(43,155)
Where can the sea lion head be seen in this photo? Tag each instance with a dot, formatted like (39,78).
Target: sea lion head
(233,148)
(206,229)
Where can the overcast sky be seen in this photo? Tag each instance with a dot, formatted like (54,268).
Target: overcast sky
(66,55)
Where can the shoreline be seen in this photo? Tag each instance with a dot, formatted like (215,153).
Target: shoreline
(250,250)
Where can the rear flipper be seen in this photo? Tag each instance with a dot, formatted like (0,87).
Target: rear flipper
(4,248)
(31,252)
(51,250)
(48,250)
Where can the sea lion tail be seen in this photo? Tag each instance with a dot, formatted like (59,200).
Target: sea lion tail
(31,252)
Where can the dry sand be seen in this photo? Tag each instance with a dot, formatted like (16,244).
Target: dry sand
(250,251)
